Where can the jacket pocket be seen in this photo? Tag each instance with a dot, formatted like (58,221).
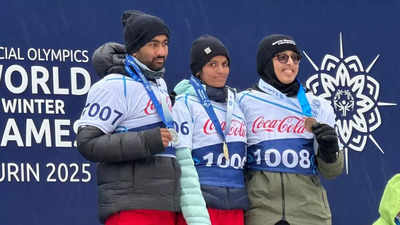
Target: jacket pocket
(321,191)
(324,197)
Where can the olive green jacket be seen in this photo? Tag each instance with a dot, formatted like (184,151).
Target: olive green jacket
(301,199)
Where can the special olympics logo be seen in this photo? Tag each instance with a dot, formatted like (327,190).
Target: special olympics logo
(353,93)
(343,102)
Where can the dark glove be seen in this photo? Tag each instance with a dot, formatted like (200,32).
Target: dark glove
(109,58)
(282,222)
(327,141)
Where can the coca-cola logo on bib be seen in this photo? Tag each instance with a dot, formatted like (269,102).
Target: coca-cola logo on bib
(238,128)
(289,124)
(150,109)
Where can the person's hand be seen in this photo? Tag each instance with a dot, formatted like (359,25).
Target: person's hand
(165,137)
(327,141)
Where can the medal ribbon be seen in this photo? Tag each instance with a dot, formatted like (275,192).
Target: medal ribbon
(205,101)
(301,97)
(136,74)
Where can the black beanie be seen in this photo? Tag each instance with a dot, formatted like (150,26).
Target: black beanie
(203,50)
(140,28)
(267,49)
(271,45)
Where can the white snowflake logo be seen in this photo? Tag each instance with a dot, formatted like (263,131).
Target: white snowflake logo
(354,95)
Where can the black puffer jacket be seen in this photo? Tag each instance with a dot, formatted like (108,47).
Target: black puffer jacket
(109,58)
(128,175)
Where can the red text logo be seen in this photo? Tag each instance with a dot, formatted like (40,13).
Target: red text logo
(150,109)
(237,128)
(290,124)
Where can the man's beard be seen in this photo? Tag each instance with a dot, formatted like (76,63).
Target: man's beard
(155,66)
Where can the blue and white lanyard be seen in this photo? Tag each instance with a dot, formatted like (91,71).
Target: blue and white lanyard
(301,97)
(202,95)
(136,74)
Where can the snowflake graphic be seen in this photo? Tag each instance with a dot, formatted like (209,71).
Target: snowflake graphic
(353,93)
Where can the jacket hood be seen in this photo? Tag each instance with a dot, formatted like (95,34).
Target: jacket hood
(109,58)
(184,87)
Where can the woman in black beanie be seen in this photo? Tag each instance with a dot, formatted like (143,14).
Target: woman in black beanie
(291,140)
(212,133)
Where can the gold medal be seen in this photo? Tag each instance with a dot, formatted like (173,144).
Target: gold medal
(226,152)
(308,123)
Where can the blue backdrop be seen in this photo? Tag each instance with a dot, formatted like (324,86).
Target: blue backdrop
(350,57)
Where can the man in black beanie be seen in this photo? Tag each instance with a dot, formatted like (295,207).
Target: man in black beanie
(139,30)
(291,140)
(122,128)
(148,32)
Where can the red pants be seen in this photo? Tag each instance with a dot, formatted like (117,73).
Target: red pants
(142,217)
(220,217)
